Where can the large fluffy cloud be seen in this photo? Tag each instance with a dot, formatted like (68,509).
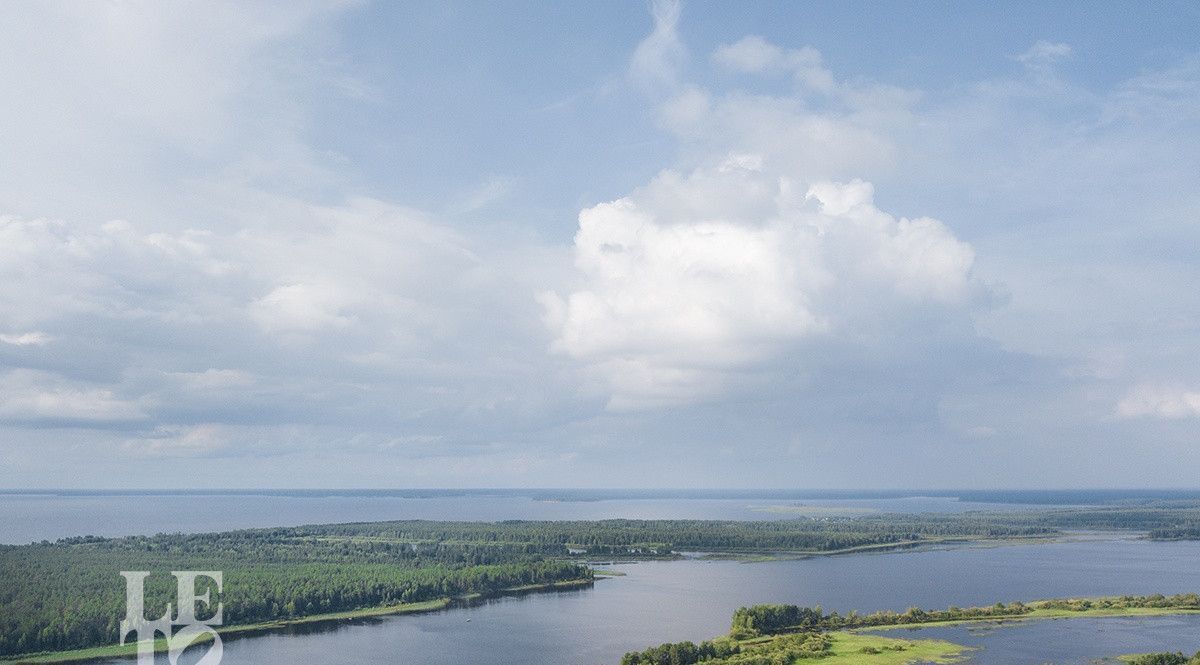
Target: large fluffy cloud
(764,241)
(696,277)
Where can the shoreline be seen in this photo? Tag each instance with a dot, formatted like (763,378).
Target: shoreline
(129,650)
(882,644)
(924,544)
(1039,615)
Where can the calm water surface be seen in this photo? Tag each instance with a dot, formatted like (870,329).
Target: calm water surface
(671,601)
(1069,641)
(25,518)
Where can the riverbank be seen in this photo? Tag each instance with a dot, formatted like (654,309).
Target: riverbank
(1043,614)
(789,633)
(758,556)
(244,630)
(867,647)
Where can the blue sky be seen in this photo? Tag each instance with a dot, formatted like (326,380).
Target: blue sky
(618,244)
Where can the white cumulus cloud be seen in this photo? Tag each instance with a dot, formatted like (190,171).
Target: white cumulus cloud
(698,276)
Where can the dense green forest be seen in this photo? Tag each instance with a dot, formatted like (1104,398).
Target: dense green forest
(69,594)
(1166,519)
(662,537)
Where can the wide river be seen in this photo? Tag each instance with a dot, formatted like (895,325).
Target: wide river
(693,599)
